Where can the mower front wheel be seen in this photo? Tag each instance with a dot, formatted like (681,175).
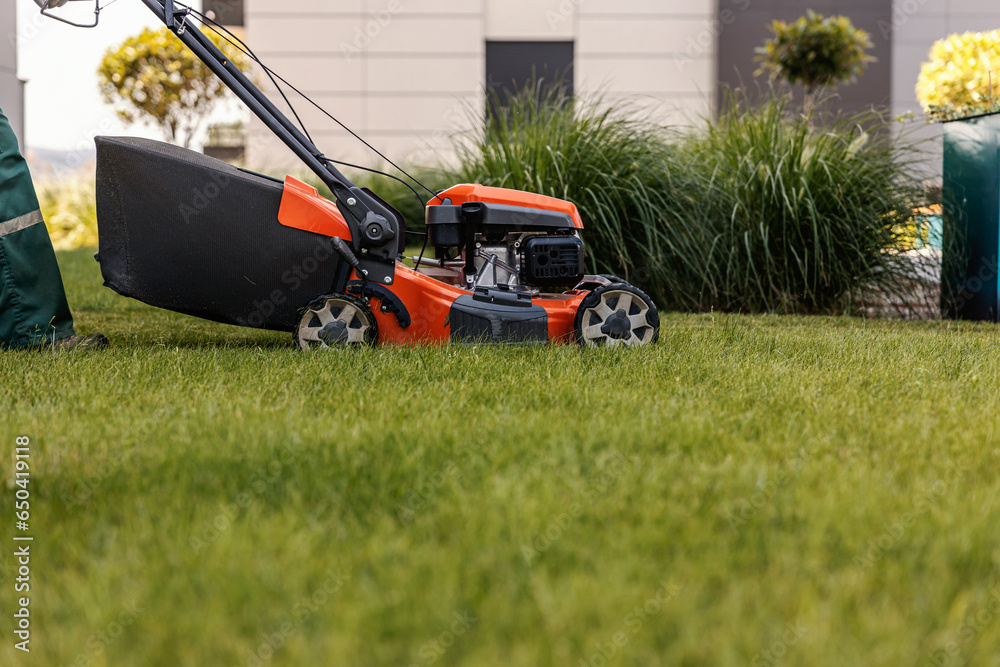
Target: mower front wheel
(617,314)
(336,320)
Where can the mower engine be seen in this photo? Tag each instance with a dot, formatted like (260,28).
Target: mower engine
(482,244)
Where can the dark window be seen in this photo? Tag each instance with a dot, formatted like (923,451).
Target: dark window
(226,12)
(511,66)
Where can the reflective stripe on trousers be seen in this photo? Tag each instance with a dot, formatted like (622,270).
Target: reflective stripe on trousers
(20,222)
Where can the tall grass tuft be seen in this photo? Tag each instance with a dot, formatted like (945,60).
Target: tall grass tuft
(608,161)
(771,214)
(754,211)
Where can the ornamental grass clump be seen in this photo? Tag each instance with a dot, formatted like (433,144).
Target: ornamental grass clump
(70,211)
(772,215)
(754,211)
(607,160)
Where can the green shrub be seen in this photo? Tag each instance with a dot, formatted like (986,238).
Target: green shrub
(772,215)
(755,211)
(816,51)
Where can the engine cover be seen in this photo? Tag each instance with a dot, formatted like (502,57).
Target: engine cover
(553,260)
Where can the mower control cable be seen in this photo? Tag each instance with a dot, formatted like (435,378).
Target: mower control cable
(375,171)
(348,255)
(242,47)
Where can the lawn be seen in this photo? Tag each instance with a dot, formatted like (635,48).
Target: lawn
(750,491)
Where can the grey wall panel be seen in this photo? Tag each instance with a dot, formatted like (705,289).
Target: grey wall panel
(11,88)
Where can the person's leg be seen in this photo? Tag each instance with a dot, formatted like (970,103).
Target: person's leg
(33,307)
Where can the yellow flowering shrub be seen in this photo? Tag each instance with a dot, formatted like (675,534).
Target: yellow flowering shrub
(956,80)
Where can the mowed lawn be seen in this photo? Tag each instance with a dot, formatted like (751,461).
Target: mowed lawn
(750,491)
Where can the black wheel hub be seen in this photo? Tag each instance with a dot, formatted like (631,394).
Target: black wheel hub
(617,326)
(334,333)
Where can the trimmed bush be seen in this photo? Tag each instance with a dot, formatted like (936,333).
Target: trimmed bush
(959,79)
(816,51)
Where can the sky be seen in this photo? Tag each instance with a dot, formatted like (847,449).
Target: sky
(64,109)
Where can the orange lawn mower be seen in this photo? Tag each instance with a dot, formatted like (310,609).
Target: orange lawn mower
(182,231)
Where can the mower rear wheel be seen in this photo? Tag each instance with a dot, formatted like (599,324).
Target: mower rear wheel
(617,314)
(336,320)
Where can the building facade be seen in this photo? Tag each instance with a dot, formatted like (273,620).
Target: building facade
(11,88)
(409,75)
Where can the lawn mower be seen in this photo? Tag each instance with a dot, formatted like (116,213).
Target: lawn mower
(182,231)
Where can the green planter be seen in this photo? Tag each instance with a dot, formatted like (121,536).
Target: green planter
(971,198)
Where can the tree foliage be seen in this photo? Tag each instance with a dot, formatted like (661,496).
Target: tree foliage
(957,79)
(152,77)
(815,51)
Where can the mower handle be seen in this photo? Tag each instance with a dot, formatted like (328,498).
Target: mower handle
(173,18)
(351,200)
(47,5)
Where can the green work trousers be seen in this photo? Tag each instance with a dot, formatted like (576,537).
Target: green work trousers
(33,307)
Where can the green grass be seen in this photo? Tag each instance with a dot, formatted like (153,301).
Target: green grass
(362,499)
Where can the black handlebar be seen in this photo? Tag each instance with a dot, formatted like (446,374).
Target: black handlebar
(249,94)
(355,204)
